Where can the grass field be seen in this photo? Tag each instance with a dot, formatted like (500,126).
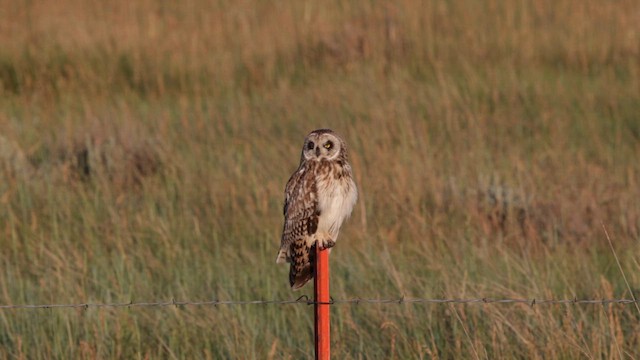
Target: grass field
(144,149)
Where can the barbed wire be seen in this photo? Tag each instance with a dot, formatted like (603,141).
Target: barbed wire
(305,300)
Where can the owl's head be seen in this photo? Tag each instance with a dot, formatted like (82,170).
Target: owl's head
(323,144)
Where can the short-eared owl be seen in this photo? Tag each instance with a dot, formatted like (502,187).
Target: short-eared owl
(318,198)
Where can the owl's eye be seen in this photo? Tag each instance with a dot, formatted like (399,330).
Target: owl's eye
(310,145)
(328,145)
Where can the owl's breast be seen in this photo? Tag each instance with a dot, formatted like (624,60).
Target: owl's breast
(336,198)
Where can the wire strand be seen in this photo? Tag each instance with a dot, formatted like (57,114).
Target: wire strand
(305,300)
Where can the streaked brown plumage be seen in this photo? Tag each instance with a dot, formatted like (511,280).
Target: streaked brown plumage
(318,197)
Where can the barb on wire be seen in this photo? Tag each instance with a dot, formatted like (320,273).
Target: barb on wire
(304,299)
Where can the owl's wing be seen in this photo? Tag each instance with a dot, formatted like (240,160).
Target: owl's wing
(300,211)
(300,223)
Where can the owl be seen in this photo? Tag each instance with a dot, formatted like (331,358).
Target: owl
(319,196)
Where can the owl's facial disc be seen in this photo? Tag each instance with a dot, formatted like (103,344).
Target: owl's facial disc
(321,146)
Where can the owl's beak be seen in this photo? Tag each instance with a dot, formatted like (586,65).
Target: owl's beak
(317,151)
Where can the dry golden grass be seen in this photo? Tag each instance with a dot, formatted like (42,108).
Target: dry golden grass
(144,148)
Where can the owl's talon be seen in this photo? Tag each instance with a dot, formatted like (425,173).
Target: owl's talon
(326,244)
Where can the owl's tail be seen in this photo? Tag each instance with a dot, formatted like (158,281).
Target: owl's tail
(301,270)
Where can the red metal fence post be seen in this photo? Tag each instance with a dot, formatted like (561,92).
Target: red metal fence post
(321,295)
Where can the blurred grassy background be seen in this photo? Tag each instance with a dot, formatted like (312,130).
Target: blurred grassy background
(144,149)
